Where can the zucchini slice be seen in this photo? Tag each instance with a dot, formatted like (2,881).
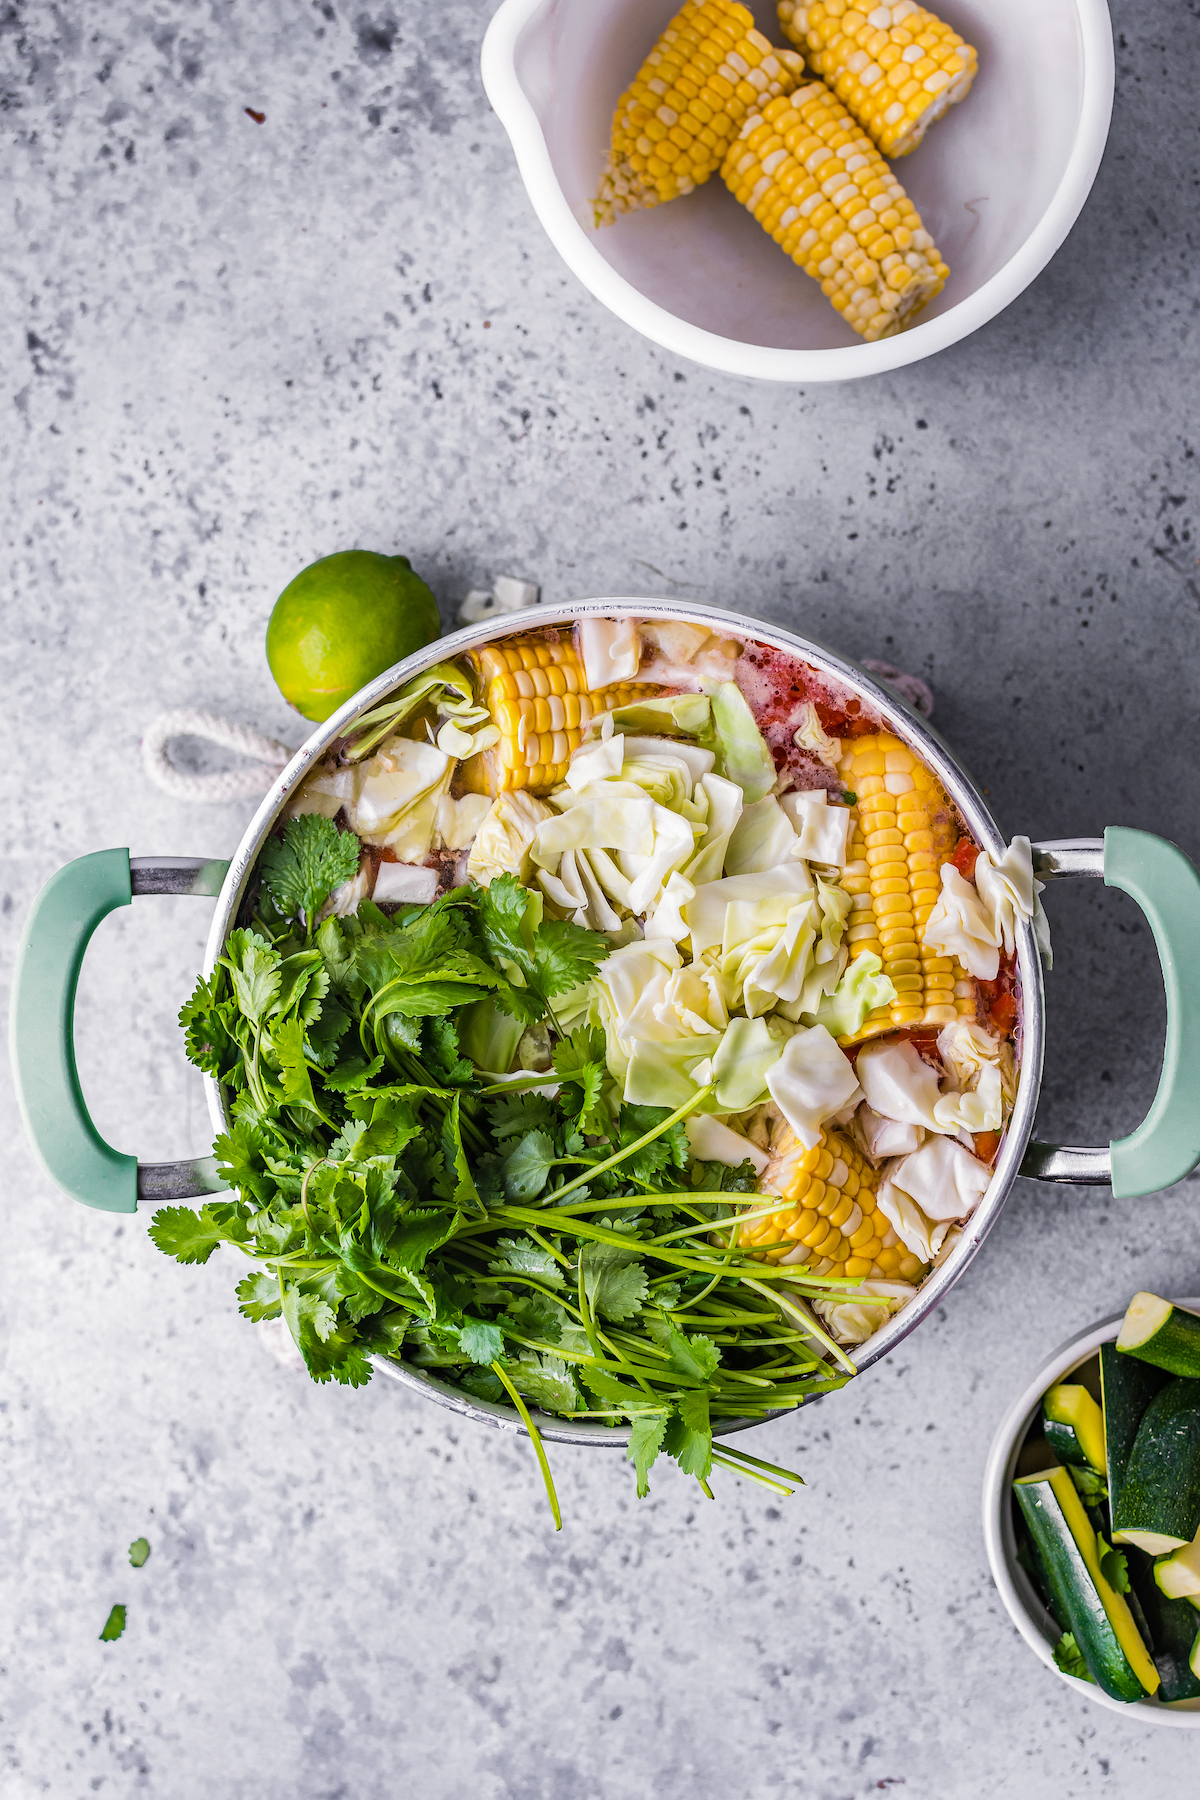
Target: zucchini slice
(1178,1575)
(1074,1426)
(1158,1508)
(1162,1334)
(1171,1628)
(1098,1616)
(1127,1387)
(1194,1658)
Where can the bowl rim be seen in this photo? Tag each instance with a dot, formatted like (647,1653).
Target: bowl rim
(902,718)
(760,362)
(1030,1617)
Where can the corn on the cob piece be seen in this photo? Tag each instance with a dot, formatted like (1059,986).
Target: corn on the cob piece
(832,1225)
(672,126)
(535,690)
(904,830)
(816,182)
(897,67)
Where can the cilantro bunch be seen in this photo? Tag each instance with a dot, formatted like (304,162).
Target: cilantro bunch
(549,1247)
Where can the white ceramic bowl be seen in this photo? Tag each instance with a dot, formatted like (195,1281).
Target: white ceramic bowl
(999,182)
(1023,1603)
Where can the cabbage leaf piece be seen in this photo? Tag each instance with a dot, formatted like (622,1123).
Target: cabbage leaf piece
(859,1316)
(446,686)
(812,1082)
(741,750)
(959,926)
(862,988)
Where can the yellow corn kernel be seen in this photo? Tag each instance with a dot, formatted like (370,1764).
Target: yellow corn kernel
(896,68)
(825,1213)
(814,180)
(673,124)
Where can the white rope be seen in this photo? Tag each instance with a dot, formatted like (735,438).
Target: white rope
(231,784)
(918,693)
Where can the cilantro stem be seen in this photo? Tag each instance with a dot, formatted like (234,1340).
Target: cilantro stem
(764,1212)
(600,1168)
(535,1438)
(809,1322)
(751,1474)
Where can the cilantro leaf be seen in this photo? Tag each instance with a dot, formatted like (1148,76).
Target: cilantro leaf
(1114,1568)
(579,1063)
(614,1279)
(187,1236)
(301,870)
(694,1357)
(521,1256)
(258,1297)
(1070,1658)
(441,1054)
(547,1381)
(354,1073)
(536,1316)
(206,1022)
(645,1441)
(328,1349)
(689,1435)
(417,1236)
(287,1041)
(540,960)
(465,1191)
(483,1384)
(671,1149)
(481,1342)
(527,1168)
(114,1625)
(503,905)
(513,1114)
(255,970)
(565,956)
(139,1553)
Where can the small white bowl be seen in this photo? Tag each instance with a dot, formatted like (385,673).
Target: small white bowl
(1023,1603)
(999,182)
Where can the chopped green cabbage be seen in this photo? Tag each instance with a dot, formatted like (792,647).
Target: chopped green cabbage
(742,753)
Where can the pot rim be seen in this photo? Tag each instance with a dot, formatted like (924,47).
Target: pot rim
(1021,1602)
(908,724)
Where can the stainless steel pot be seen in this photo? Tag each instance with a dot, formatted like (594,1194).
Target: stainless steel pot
(1165,1147)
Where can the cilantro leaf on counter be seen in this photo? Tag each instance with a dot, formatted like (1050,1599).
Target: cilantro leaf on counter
(114,1625)
(302,869)
(139,1553)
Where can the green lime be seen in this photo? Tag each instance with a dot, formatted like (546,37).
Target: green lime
(341,622)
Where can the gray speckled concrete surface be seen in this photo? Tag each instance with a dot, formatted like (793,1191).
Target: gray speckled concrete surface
(230,347)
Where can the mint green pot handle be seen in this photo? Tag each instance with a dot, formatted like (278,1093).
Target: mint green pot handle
(1166,1145)
(42,1028)
(1166,885)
